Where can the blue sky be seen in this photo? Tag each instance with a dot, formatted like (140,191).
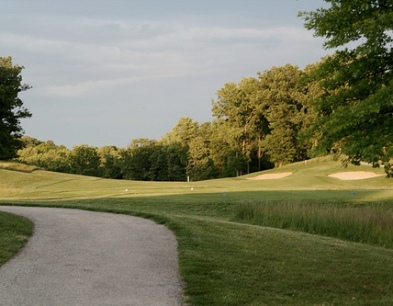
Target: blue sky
(105,72)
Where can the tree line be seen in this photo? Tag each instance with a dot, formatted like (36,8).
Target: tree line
(143,160)
(258,123)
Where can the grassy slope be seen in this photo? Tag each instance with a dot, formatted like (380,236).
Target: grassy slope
(227,263)
(311,176)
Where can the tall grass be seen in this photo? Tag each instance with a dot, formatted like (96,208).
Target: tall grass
(13,166)
(371,224)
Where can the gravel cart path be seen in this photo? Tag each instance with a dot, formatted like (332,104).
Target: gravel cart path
(78,257)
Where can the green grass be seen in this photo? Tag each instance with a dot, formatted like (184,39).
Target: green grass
(14,233)
(225,259)
(371,224)
(232,264)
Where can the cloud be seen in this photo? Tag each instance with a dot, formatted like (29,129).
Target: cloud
(70,66)
(110,66)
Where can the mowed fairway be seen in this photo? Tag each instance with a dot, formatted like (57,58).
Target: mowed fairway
(227,260)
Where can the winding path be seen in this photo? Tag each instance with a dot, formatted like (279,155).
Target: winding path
(78,257)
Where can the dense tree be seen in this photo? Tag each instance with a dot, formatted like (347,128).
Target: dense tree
(355,114)
(85,160)
(237,108)
(136,161)
(46,155)
(218,148)
(310,90)
(180,137)
(201,165)
(30,142)
(144,159)
(264,118)
(150,160)
(110,164)
(284,100)
(11,108)
(182,133)
(174,166)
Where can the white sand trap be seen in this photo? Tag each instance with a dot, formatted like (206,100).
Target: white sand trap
(354,175)
(271,176)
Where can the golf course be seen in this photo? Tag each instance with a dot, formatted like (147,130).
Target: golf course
(308,233)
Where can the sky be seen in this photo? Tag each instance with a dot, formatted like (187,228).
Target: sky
(104,72)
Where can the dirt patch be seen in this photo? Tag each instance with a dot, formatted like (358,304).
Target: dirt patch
(271,176)
(354,175)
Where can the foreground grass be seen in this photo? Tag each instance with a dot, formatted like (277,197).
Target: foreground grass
(14,233)
(229,263)
(225,262)
(260,266)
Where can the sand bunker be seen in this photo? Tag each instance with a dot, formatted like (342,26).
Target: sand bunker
(354,175)
(271,176)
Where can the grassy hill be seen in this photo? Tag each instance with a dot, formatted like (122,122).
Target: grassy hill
(313,175)
(229,252)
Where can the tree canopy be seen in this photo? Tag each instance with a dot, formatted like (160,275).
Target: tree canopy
(356,110)
(11,108)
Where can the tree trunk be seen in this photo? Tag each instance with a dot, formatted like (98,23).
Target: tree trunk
(259,153)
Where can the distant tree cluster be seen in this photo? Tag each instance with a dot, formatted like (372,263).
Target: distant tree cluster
(143,160)
(258,124)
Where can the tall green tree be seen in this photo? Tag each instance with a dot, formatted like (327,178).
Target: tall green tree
(226,110)
(237,108)
(282,97)
(46,155)
(201,165)
(355,113)
(110,163)
(219,148)
(182,133)
(136,159)
(167,162)
(150,160)
(85,160)
(11,108)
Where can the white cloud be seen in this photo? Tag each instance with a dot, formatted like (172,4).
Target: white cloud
(77,68)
